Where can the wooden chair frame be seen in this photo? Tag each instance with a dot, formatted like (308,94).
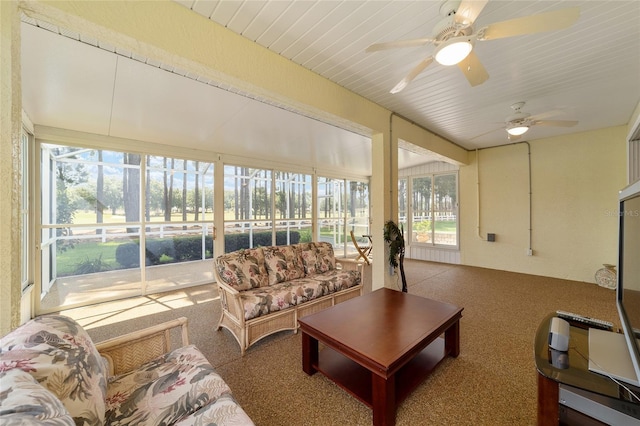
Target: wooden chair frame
(364,251)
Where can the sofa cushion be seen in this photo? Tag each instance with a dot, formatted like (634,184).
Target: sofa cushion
(261,301)
(23,401)
(164,390)
(223,411)
(60,355)
(318,258)
(243,269)
(283,263)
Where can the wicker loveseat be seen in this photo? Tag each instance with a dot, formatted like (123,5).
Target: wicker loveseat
(51,373)
(265,290)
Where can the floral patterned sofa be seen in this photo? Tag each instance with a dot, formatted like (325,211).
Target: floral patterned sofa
(51,373)
(266,289)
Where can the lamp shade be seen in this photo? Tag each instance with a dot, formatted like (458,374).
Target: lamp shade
(453,50)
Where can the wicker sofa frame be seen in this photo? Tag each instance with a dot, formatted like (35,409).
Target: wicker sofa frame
(52,372)
(248,332)
(130,351)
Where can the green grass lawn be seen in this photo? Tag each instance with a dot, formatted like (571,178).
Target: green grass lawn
(448,226)
(83,252)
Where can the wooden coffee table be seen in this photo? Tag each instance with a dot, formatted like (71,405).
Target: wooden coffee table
(379,347)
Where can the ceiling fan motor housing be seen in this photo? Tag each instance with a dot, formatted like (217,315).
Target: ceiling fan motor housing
(519,117)
(448,27)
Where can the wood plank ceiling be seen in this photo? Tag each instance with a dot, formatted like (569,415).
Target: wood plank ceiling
(589,72)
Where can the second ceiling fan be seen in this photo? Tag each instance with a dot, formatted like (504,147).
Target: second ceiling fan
(455,36)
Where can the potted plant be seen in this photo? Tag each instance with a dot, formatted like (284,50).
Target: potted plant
(394,236)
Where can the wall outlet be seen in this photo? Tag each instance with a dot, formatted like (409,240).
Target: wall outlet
(491,237)
(529,252)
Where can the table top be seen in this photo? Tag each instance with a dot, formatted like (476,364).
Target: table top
(383,329)
(572,367)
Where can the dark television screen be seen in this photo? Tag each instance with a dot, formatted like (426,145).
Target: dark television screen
(629,270)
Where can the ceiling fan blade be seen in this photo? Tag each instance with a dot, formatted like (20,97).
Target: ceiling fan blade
(473,69)
(414,72)
(544,115)
(549,21)
(469,10)
(558,123)
(398,44)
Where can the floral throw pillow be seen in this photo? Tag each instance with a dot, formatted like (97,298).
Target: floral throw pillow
(319,258)
(243,269)
(60,355)
(283,263)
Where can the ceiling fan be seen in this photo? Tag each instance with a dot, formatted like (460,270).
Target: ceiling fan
(518,123)
(455,36)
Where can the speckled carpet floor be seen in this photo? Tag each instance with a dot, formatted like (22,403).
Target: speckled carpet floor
(492,382)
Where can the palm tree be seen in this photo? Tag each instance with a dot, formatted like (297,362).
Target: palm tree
(394,236)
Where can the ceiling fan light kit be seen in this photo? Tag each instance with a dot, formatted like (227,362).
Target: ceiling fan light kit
(519,123)
(453,50)
(517,130)
(454,37)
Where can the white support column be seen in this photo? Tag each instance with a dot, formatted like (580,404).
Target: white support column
(384,203)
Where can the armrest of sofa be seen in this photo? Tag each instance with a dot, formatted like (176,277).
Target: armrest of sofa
(231,300)
(130,351)
(350,264)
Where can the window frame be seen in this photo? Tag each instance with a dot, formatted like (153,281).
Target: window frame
(142,229)
(408,220)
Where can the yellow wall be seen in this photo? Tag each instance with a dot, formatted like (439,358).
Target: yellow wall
(10,181)
(575,182)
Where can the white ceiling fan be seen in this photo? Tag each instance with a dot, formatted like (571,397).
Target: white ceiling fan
(455,36)
(518,123)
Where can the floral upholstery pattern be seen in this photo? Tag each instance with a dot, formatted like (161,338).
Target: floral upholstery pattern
(23,402)
(166,390)
(264,300)
(283,263)
(243,269)
(318,258)
(226,411)
(52,374)
(60,355)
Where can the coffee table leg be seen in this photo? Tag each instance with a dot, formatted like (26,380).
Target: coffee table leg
(452,340)
(309,353)
(384,400)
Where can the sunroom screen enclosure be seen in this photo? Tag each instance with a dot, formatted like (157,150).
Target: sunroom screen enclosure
(265,207)
(116,224)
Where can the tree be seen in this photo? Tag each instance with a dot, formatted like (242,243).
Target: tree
(168,190)
(147,192)
(196,194)
(68,174)
(100,193)
(184,193)
(131,189)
